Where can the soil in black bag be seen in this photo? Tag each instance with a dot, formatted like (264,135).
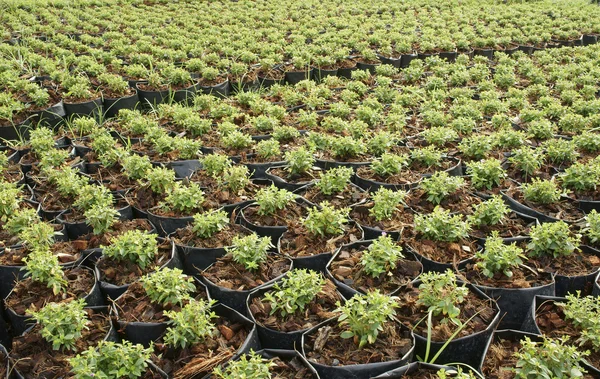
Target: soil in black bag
(318,310)
(348,196)
(325,346)
(200,359)
(33,357)
(187,237)
(551,320)
(226,273)
(281,217)
(297,242)
(28,294)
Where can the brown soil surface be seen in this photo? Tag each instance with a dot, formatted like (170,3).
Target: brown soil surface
(143,198)
(201,358)
(315,312)
(404,177)
(66,251)
(563,210)
(290,369)
(186,237)
(444,252)
(228,274)
(348,196)
(575,264)
(297,242)
(220,196)
(135,306)
(459,202)
(308,176)
(511,226)
(347,269)
(29,294)
(402,218)
(522,278)
(290,214)
(34,357)
(325,346)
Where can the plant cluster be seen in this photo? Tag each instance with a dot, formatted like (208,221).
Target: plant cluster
(295,291)
(168,286)
(326,221)
(209,223)
(553,239)
(190,325)
(272,199)
(250,251)
(441,225)
(442,295)
(498,257)
(62,324)
(135,246)
(385,203)
(381,257)
(440,185)
(334,180)
(110,360)
(489,212)
(550,358)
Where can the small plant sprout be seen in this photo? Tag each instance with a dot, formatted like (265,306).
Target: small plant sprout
(9,200)
(364,316)
(160,179)
(440,185)
(111,360)
(527,160)
(389,164)
(136,246)
(440,225)
(498,257)
(296,290)
(458,374)
(429,156)
(192,324)
(209,223)
(236,178)
(62,323)
(551,358)
(489,212)
(327,221)
(486,174)
(184,198)
(215,164)
(101,217)
(249,366)
(250,251)
(442,295)
(168,286)
(20,220)
(299,161)
(136,167)
(39,235)
(552,239)
(541,191)
(43,267)
(581,176)
(386,203)
(334,180)
(273,199)
(381,257)
(584,314)
(592,226)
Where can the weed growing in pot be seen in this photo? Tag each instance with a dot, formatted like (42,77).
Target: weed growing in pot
(327,221)
(499,257)
(62,323)
(43,267)
(552,239)
(541,191)
(296,290)
(389,164)
(272,199)
(442,295)
(363,316)
(385,203)
(439,185)
(135,246)
(209,223)
(486,174)
(552,358)
(111,360)
(334,180)
(249,366)
(168,286)
(250,251)
(489,212)
(381,257)
(440,225)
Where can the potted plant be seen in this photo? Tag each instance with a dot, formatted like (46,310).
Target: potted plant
(353,340)
(495,215)
(116,94)
(296,173)
(334,186)
(384,213)
(287,308)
